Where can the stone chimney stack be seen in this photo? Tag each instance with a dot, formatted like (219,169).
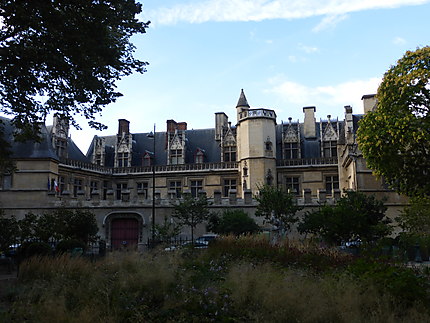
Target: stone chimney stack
(123,127)
(221,122)
(369,102)
(310,122)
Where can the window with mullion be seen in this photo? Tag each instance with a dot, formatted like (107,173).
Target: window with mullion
(229,184)
(291,150)
(196,186)
(230,153)
(331,183)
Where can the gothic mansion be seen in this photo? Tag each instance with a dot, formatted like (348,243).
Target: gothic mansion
(315,160)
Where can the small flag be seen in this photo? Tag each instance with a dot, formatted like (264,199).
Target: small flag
(56,188)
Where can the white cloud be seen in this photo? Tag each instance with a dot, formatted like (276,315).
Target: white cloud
(399,41)
(308,49)
(329,22)
(257,10)
(327,97)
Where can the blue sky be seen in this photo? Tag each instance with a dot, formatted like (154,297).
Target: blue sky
(284,54)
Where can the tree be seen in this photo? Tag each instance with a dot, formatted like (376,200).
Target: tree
(8,232)
(277,206)
(192,211)
(64,56)
(167,230)
(356,216)
(415,218)
(395,138)
(235,222)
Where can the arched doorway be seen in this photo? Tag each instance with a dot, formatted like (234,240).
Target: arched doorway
(124,233)
(123,230)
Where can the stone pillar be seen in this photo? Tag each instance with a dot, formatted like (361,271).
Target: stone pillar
(307,195)
(336,194)
(248,196)
(232,196)
(80,195)
(110,196)
(95,195)
(125,195)
(322,195)
(217,197)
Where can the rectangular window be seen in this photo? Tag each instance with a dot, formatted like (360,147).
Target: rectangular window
(199,158)
(98,159)
(177,187)
(60,146)
(119,188)
(196,186)
(106,186)
(142,188)
(230,153)
(292,184)
(331,183)
(77,186)
(94,186)
(122,159)
(291,150)
(229,184)
(175,156)
(330,148)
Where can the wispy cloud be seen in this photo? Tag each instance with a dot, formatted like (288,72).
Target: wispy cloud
(328,96)
(257,10)
(308,49)
(329,22)
(399,41)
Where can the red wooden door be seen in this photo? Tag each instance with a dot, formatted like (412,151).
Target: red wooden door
(124,233)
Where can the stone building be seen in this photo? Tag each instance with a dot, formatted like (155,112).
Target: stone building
(315,160)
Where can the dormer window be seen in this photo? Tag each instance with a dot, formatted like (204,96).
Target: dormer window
(123,159)
(146,159)
(330,148)
(199,156)
(230,153)
(175,156)
(60,147)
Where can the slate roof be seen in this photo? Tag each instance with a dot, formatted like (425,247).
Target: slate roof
(242,100)
(141,143)
(42,149)
(28,149)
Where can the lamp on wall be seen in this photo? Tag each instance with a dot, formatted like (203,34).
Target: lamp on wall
(152,135)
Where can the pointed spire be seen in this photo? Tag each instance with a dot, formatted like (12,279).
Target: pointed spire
(242,100)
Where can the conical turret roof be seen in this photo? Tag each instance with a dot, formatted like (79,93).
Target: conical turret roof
(242,100)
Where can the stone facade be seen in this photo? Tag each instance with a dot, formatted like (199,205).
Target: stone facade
(315,160)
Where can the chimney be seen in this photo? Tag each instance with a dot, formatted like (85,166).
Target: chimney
(171,126)
(369,102)
(123,127)
(349,125)
(182,126)
(309,124)
(221,122)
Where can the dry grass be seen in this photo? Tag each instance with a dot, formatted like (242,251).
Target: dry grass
(244,285)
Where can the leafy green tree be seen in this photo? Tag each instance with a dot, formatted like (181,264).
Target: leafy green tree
(64,56)
(9,231)
(167,230)
(415,218)
(395,138)
(277,206)
(235,222)
(355,216)
(191,211)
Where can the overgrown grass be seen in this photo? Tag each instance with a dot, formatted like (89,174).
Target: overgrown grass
(235,280)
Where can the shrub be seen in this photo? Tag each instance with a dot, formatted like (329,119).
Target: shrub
(68,245)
